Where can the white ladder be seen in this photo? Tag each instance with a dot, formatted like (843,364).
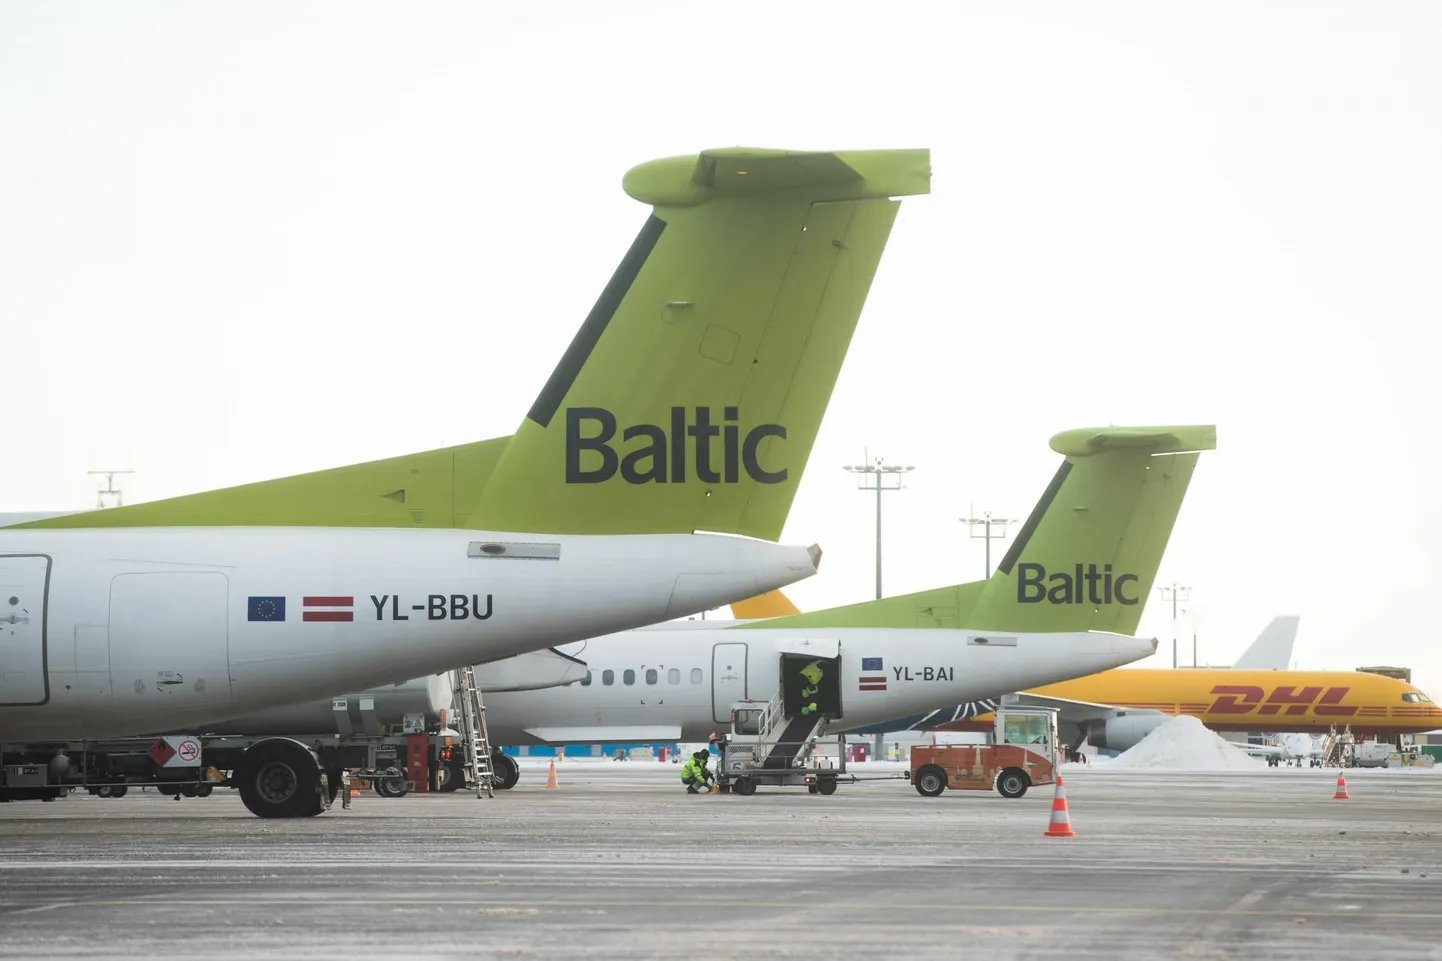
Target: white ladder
(473,732)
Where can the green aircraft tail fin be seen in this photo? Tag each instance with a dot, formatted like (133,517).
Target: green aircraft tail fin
(728,319)
(1084,560)
(691,396)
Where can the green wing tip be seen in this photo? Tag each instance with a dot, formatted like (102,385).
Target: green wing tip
(1086,441)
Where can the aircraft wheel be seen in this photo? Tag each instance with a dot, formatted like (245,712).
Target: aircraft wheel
(930,781)
(281,779)
(744,786)
(505,771)
(1012,783)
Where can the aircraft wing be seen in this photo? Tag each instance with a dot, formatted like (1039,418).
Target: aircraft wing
(1071,711)
(1260,750)
(653,733)
(532,671)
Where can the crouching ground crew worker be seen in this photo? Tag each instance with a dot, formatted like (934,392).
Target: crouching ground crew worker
(695,775)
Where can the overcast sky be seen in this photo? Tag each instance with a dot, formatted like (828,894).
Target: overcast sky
(248,240)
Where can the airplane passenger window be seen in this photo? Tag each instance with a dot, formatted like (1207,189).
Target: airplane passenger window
(696,675)
(608,677)
(651,675)
(629,677)
(586,681)
(674,676)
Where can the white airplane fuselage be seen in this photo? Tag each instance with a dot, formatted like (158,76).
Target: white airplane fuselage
(679,681)
(118,632)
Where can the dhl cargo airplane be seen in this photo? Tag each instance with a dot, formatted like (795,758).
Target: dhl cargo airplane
(1115,709)
(1116,496)
(681,416)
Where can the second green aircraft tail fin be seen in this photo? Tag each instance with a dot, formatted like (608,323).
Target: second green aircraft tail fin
(1085,559)
(1087,556)
(691,396)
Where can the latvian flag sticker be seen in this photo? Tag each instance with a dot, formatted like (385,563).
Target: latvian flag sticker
(872,681)
(328,608)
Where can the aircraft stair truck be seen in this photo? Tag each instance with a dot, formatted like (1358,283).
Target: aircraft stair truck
(768,744)
(1021,751)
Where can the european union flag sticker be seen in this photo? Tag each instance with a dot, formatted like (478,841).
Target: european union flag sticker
(871,663)
(265,609)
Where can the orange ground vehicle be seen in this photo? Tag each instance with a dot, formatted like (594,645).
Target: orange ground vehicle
(1021,751)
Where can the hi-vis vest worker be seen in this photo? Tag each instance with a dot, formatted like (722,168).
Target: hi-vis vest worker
(694,774)
(813,674)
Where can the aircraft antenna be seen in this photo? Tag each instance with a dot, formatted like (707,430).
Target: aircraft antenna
(109,490)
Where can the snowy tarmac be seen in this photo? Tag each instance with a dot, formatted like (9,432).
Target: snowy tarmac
(619,862)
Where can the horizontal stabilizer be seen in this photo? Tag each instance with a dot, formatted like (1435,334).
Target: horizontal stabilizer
(770,604)
(1159,440)
(751,171)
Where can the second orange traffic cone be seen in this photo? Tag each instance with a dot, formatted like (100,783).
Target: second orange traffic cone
(1341,794)
(1060,826)
(551,781)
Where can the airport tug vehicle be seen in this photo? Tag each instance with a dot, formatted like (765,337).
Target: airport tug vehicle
(1021,751)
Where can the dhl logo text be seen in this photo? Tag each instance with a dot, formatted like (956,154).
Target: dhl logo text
(1246,699)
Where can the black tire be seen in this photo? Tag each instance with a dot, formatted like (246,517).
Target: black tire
(1012,782)
(811,788)
(450,777)
(119,790)
(505,771)
(826,786)
(929,781)
(281,779)
(744,786)
(392,787)
(203,791)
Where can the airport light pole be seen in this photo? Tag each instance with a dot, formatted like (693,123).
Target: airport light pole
(984,522)
(884,474)
(109,489)
(1178,593)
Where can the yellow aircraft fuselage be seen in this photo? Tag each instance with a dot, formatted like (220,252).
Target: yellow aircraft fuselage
(1310,702)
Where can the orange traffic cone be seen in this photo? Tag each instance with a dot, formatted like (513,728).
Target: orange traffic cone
(1060,826)
(551,781)
(1341,794)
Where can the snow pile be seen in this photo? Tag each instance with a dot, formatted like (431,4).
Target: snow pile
(1183,744)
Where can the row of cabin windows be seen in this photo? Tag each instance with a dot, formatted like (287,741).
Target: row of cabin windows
(673,676)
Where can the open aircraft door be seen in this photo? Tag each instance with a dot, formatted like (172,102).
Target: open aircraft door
(24,589)
(728,679)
